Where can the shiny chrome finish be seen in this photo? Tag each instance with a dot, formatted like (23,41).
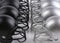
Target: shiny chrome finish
(53,23)
(50,8)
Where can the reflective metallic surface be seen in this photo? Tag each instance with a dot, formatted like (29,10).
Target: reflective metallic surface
(50,8)
(50,12)
(53,23)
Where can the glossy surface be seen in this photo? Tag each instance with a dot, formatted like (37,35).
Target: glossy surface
(53,23)
(9,10)
(50,8)
(14,3)
(50,12)
(7,23)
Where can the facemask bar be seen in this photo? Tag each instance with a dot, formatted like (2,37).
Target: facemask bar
(22,20)
(40,10)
